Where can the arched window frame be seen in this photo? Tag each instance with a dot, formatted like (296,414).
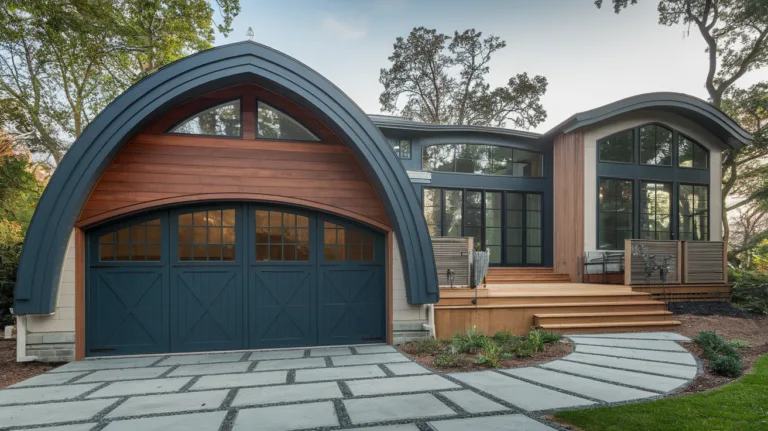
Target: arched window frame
(676,134)
(455,145)
(208,108)
(696,143)
(300,123)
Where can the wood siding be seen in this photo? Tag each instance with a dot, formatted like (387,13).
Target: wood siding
(705,262)
(568,195)
(634,267)
(156,169)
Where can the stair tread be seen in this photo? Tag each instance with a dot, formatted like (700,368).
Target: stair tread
(557,304)
(609,324)
(611,313)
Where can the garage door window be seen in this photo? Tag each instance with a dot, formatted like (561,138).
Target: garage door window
(281,236)
(342,244)
(137,242)
(207,235)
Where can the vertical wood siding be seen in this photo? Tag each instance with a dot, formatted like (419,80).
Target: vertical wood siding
(568,195)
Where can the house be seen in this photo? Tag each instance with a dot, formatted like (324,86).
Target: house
(237,199)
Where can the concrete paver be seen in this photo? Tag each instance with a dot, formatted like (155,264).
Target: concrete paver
(671,336)
(287,394)
(403,427)
(398,407)
(339,373)
(507,422)
(78,427)
(276,354)
(208,369)
(49,379)
(208,421)
(210,358)
(395,385)
(330,351)
(639,380)
(44,393)
(668,346)
(673,370)
(289,364)
(382,358)
(124,374)
(683,358)
(580,385)
(221,381)
(169,403)
(407,368)
(472,402)
(52,413)
(365,350)
(283,418)
(107,364)
(141,387)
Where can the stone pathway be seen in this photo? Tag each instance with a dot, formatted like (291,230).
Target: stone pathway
(367,387)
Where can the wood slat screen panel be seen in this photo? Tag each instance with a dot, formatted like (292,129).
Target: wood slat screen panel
(634,271)
(568,191)
(704,262)
(453,253)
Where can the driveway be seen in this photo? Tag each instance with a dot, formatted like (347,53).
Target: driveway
(340,388)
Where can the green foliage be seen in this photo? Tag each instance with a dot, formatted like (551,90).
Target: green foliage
(750,290)
(451,360)
(740,344)
(469,341)
(505,337)
(490,355)
(727,366)
(525,349)
(551,337)
(428,346)
(11,238)
(723,357)
(443,81)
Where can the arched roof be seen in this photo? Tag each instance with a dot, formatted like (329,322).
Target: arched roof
(46,242)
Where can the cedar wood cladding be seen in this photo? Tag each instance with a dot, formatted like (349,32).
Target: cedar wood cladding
(156,168)
(568,195)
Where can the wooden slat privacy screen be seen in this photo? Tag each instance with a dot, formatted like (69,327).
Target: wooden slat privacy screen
(634,272)
(453,253)
(704,262)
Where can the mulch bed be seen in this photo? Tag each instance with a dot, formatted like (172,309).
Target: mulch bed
(12,372)
(712,309)
(550,353)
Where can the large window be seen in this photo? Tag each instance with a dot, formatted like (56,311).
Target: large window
(617,148)
(691,154)
(655,210)
(482,159)
(655,145)
(615,213)
(220,120)
(693,207)
(275,124)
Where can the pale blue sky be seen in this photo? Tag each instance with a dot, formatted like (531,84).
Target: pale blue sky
(590,56)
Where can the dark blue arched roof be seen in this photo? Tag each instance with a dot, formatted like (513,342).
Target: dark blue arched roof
(68,190)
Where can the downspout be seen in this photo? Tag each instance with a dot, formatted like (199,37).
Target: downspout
(430,326)
(21,340)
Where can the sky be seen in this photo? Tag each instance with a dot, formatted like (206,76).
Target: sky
(589,56)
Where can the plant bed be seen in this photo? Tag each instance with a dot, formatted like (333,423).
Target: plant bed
(470,351)
(712,309)
(12,372)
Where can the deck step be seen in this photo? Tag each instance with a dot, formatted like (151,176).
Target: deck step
(572,307)
(579,328)
(602,317)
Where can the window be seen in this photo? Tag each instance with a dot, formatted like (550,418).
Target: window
(207,235)
(473,215)
(281,236)
(221,120)
(493,226)
(617,147)
(138,242)
(275,124)
(533,229)
(433,211)
(693,208)
(690,154)
(655,210)
(515,228)
(340,244)
(403,149)
(482,159)
(453,216)
(615,213)
(655,145)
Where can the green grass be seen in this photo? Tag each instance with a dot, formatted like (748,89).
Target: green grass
(742,406)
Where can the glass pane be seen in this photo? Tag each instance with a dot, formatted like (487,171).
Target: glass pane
(214,252)
(200,252)
(123,252)
(527,164)
(106,252)
(214,235)
(289,252)
(228,218)
(153,234)
(221,120)
(533,255)
(439,158)
(495,254)
(302,252)
(617,148)
(110,237)
(199,235)
(615,210)
(228,252)
(124,234)
(153,252)
(138,251)
(275,252)
(262,252)
(185,220)
(655,145)
(262,218)
(368,252)
(515,201)
(138,233)
(514,255)
(185,252)
(274,124)
(200,218)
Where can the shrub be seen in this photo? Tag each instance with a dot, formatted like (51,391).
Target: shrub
(428,346)
(525,349)
(11,238)
(536,339)
(728,366)
(551,337)
(750,290)
(711,342)
(491,354)
(723,357)
(450,360)
(505,337)
(740,344)
(468,342)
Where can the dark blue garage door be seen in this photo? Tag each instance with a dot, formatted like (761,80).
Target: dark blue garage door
(233,276)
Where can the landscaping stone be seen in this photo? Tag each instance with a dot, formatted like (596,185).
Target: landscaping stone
(683,358)
(202,359)
(289,364)
(331,351)
(283,418)
(126,374)
(673,370)
(141,387)
(397,407)
(49,379)
(169,403)
(221,381)
(209,421)
(276,354)
(580,385)
(407,368)
(525,395)
(45,393)
(669,346)
(287,393)
(51,413)
(107,364)
(630,378)
(204,369)
(670,336)
(472,402)
(339,373)
(369,359)
(395,385)
(507,422)
(364,350)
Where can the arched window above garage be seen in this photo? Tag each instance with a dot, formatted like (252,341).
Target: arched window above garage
(275,124)
(220,120)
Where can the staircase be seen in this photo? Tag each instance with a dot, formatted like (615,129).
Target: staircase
(513,275)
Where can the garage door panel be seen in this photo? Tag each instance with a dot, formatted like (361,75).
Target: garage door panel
(281,312)
(351,305)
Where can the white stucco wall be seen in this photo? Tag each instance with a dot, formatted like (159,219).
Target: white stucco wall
(687,127)
(63,319)
(402,311)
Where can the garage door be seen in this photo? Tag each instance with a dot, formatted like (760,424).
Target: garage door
(234,276)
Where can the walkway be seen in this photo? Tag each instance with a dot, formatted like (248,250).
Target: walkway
(340,388)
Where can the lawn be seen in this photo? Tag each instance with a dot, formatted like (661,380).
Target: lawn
(742,406)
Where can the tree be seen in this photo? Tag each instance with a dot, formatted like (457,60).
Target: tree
(736,35)
(442,80)
(61,63)
(749,233)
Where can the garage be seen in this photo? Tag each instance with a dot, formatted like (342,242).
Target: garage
(232,276)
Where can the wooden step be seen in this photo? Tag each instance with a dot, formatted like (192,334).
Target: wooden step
(583,328)
(574,307)
(532,300)
(520,270)
(523,280)
(602,317)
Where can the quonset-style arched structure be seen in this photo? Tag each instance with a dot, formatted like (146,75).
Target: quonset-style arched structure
(239,63)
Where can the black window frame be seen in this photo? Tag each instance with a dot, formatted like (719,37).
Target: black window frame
(170,131)
(633,217)
(398,149)
(641,213)
(679,215)
(317,139)
(695,144)
(672,144)
(632,152)
(455,146)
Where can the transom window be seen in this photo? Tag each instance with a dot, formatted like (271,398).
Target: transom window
(655,145)
(275,124)
(136,243)
(694,212)
(617,147)
(340,244)
(482,159)
(207,235)
(281,236)
(655,210)
(691,154)
(220,120)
